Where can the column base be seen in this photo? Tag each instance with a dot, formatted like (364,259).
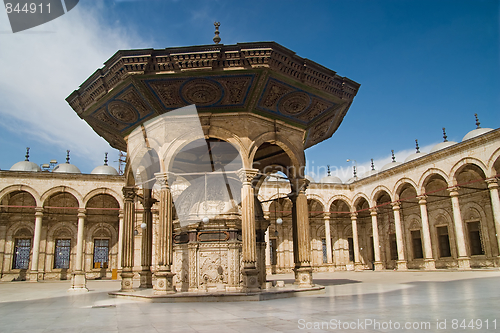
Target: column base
(250,280)
(164,283)
(146,278)
(303,277)
(358,267)
(78,282)
(127,281)
(463,263)
(401,265)
(378,266)
(429,264)
(33,277)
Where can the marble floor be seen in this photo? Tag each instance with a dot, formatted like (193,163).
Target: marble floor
(441,301)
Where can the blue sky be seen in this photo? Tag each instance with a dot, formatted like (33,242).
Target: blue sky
(422,65)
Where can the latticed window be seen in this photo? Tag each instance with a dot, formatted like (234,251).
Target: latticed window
(22,253)
(417,244)
(476,246)
(62,253)
(323,243)
(443,242)
(101,253)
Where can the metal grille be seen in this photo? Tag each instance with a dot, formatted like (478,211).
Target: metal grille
(101,253)
(22,253)
(63,252)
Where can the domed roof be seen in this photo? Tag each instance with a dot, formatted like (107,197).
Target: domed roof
(331,180)
(105,169)
(370,172)
(444,144)
(26,165)
(66,167)
(311,179)
(391,164)
(415,155)
(476,132)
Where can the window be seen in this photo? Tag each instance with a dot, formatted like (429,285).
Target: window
(444,242)
(101,253)
(22,250)
(273,251)
(323,245)
(393,246)
(476,247)
(350,242)
(62,253)
(417,244)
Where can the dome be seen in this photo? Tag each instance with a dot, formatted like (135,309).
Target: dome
(26,165)
(369,173)
(476,132)
(66,167)
(414,156)
(311,179)
(391,164)
(352,180)
(442,145)
(331,180)
(104,169)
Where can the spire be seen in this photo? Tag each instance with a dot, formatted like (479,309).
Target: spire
(444,135)
(27,154)
(477,121)
(106,159)
(417,147)
(67,156)
(393,157)
(328,170)
(373,166)
(354,171)
(217,38)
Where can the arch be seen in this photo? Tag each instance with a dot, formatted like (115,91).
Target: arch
(347,231)
(376,191)
(455,170)
(113,234)
(400,185)
(318,198)
(59,226)
(13,188)
(491,163)
(358,197)
(427,175)
(340,197)
(62,189)
(13,229)
(103,190)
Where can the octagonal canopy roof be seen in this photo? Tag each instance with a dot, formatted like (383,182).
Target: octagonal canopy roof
(264,78)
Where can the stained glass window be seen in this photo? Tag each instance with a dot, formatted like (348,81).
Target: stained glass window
(22,253)
(62,254)
(101,253)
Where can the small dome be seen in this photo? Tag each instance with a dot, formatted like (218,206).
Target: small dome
(414,156)
(476,132)
(105,169)
(331,180)
(390,165)
(352,180)
(310,179)
(442,145)
(369,173)
(66,167)
(26,165)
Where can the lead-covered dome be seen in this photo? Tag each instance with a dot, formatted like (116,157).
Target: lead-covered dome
(476,132)
(416,154)
(391,164)
(26,165)
(105,169)
(66,167)
(444,144)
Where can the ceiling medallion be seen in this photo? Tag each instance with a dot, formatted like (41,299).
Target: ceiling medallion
(201,92)
(121,111)
(294,103)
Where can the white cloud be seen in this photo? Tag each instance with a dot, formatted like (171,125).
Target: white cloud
(42,66)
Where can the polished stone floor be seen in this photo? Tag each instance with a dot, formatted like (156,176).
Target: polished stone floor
(353,302)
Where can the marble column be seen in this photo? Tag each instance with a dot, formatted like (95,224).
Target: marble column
(463,259)
(164,276)
(78,279)
(495,205)
(328,238)
(429,261)
(33,276)
(401,263)
(120,239)
(248,232)
(127,274)
(378,265)
(355,242)
(146,276)
(301,234)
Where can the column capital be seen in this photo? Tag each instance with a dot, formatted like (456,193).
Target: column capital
(299,184)
(492,182)
(82,212)
(453,191)
(354,216)
(129,192)
(396,205)
(247,175)
(373,211)
(163,178)
(39,211)
(422,199)
(326,215)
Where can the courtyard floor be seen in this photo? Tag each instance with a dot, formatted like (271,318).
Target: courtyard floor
(440,301)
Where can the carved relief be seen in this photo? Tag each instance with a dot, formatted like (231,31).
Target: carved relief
(209,267)
(168,92)
(201,92)
(274,93)
(235,89)
(132,97)
(122,112)
(294,103)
